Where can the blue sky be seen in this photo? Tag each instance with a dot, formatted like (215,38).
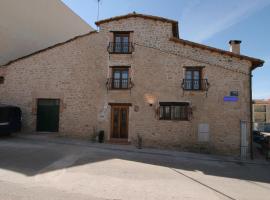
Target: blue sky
(211,22)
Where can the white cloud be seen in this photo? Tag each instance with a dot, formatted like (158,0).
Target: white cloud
(203,19)
(267,60)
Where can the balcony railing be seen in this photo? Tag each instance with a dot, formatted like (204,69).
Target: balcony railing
(115,84)
(121,47)
(195,84)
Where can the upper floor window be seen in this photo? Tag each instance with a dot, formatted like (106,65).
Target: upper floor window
(119,79)
(2,79)
(193,79)
(121,43)
(174,111)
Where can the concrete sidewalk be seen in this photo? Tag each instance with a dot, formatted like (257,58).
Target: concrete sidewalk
(53,168)
(55,138)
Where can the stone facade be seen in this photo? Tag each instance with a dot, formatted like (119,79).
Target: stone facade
(76,73)
(261,115)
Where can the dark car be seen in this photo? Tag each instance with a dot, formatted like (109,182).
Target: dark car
(10,119)
(258,137)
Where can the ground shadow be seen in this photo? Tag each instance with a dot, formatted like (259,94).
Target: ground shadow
(32,157)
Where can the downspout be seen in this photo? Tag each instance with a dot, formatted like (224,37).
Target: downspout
(251,116)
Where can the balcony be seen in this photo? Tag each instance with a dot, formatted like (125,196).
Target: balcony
(119,84)
(121,47)
(195,84)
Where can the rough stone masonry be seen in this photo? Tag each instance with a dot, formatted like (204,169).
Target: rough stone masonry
(76,73)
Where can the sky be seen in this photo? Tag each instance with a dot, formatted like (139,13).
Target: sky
(210,22)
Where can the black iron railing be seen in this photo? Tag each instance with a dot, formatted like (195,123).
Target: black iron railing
(195,84)
(120,47)
(122,83)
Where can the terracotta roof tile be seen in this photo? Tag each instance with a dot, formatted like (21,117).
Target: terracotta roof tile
(255,61)
(136,15)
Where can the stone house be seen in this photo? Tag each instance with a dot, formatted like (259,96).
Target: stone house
(135,78)
(261,115)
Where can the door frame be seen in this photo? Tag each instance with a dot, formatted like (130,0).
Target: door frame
(119,105)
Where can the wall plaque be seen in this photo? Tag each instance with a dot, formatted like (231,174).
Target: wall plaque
(230,99)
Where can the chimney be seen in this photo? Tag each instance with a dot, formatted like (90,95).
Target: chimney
(235,46)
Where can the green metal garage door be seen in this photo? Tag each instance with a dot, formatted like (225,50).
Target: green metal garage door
(48,115)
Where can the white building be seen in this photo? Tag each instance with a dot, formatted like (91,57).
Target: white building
(27,26)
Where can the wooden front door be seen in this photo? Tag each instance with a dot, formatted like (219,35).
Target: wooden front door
(119,122)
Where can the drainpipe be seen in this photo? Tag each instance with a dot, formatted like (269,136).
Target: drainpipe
(251,116)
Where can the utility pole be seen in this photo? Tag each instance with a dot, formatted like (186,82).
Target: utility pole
(98,10)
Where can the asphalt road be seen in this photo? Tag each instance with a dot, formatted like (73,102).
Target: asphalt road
(38,169)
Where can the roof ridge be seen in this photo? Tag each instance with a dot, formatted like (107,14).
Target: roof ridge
(47,48)
(134,14)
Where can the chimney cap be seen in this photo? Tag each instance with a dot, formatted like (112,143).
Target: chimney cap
(235,41)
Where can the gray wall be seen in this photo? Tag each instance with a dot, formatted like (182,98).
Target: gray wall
(30,25)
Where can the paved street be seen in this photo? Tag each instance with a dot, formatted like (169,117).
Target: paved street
(36,168)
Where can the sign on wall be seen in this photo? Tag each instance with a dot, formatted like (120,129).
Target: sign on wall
(230,99)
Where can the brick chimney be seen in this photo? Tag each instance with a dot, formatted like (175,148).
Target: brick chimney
(235,46)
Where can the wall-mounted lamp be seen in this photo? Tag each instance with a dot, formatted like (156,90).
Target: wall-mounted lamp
(150,99)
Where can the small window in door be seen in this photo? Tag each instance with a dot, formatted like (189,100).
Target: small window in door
(120,78)
(121,43)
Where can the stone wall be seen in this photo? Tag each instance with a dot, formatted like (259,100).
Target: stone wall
(76,72)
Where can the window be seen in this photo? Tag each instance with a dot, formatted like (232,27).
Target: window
(260,117)
(2,79)
(260,108)
(120,79)
(193,79)
(121,43)
(174,111)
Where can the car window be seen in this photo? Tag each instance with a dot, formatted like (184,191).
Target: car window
(4,115)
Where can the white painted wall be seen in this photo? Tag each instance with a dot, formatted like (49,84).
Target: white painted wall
(27,26)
